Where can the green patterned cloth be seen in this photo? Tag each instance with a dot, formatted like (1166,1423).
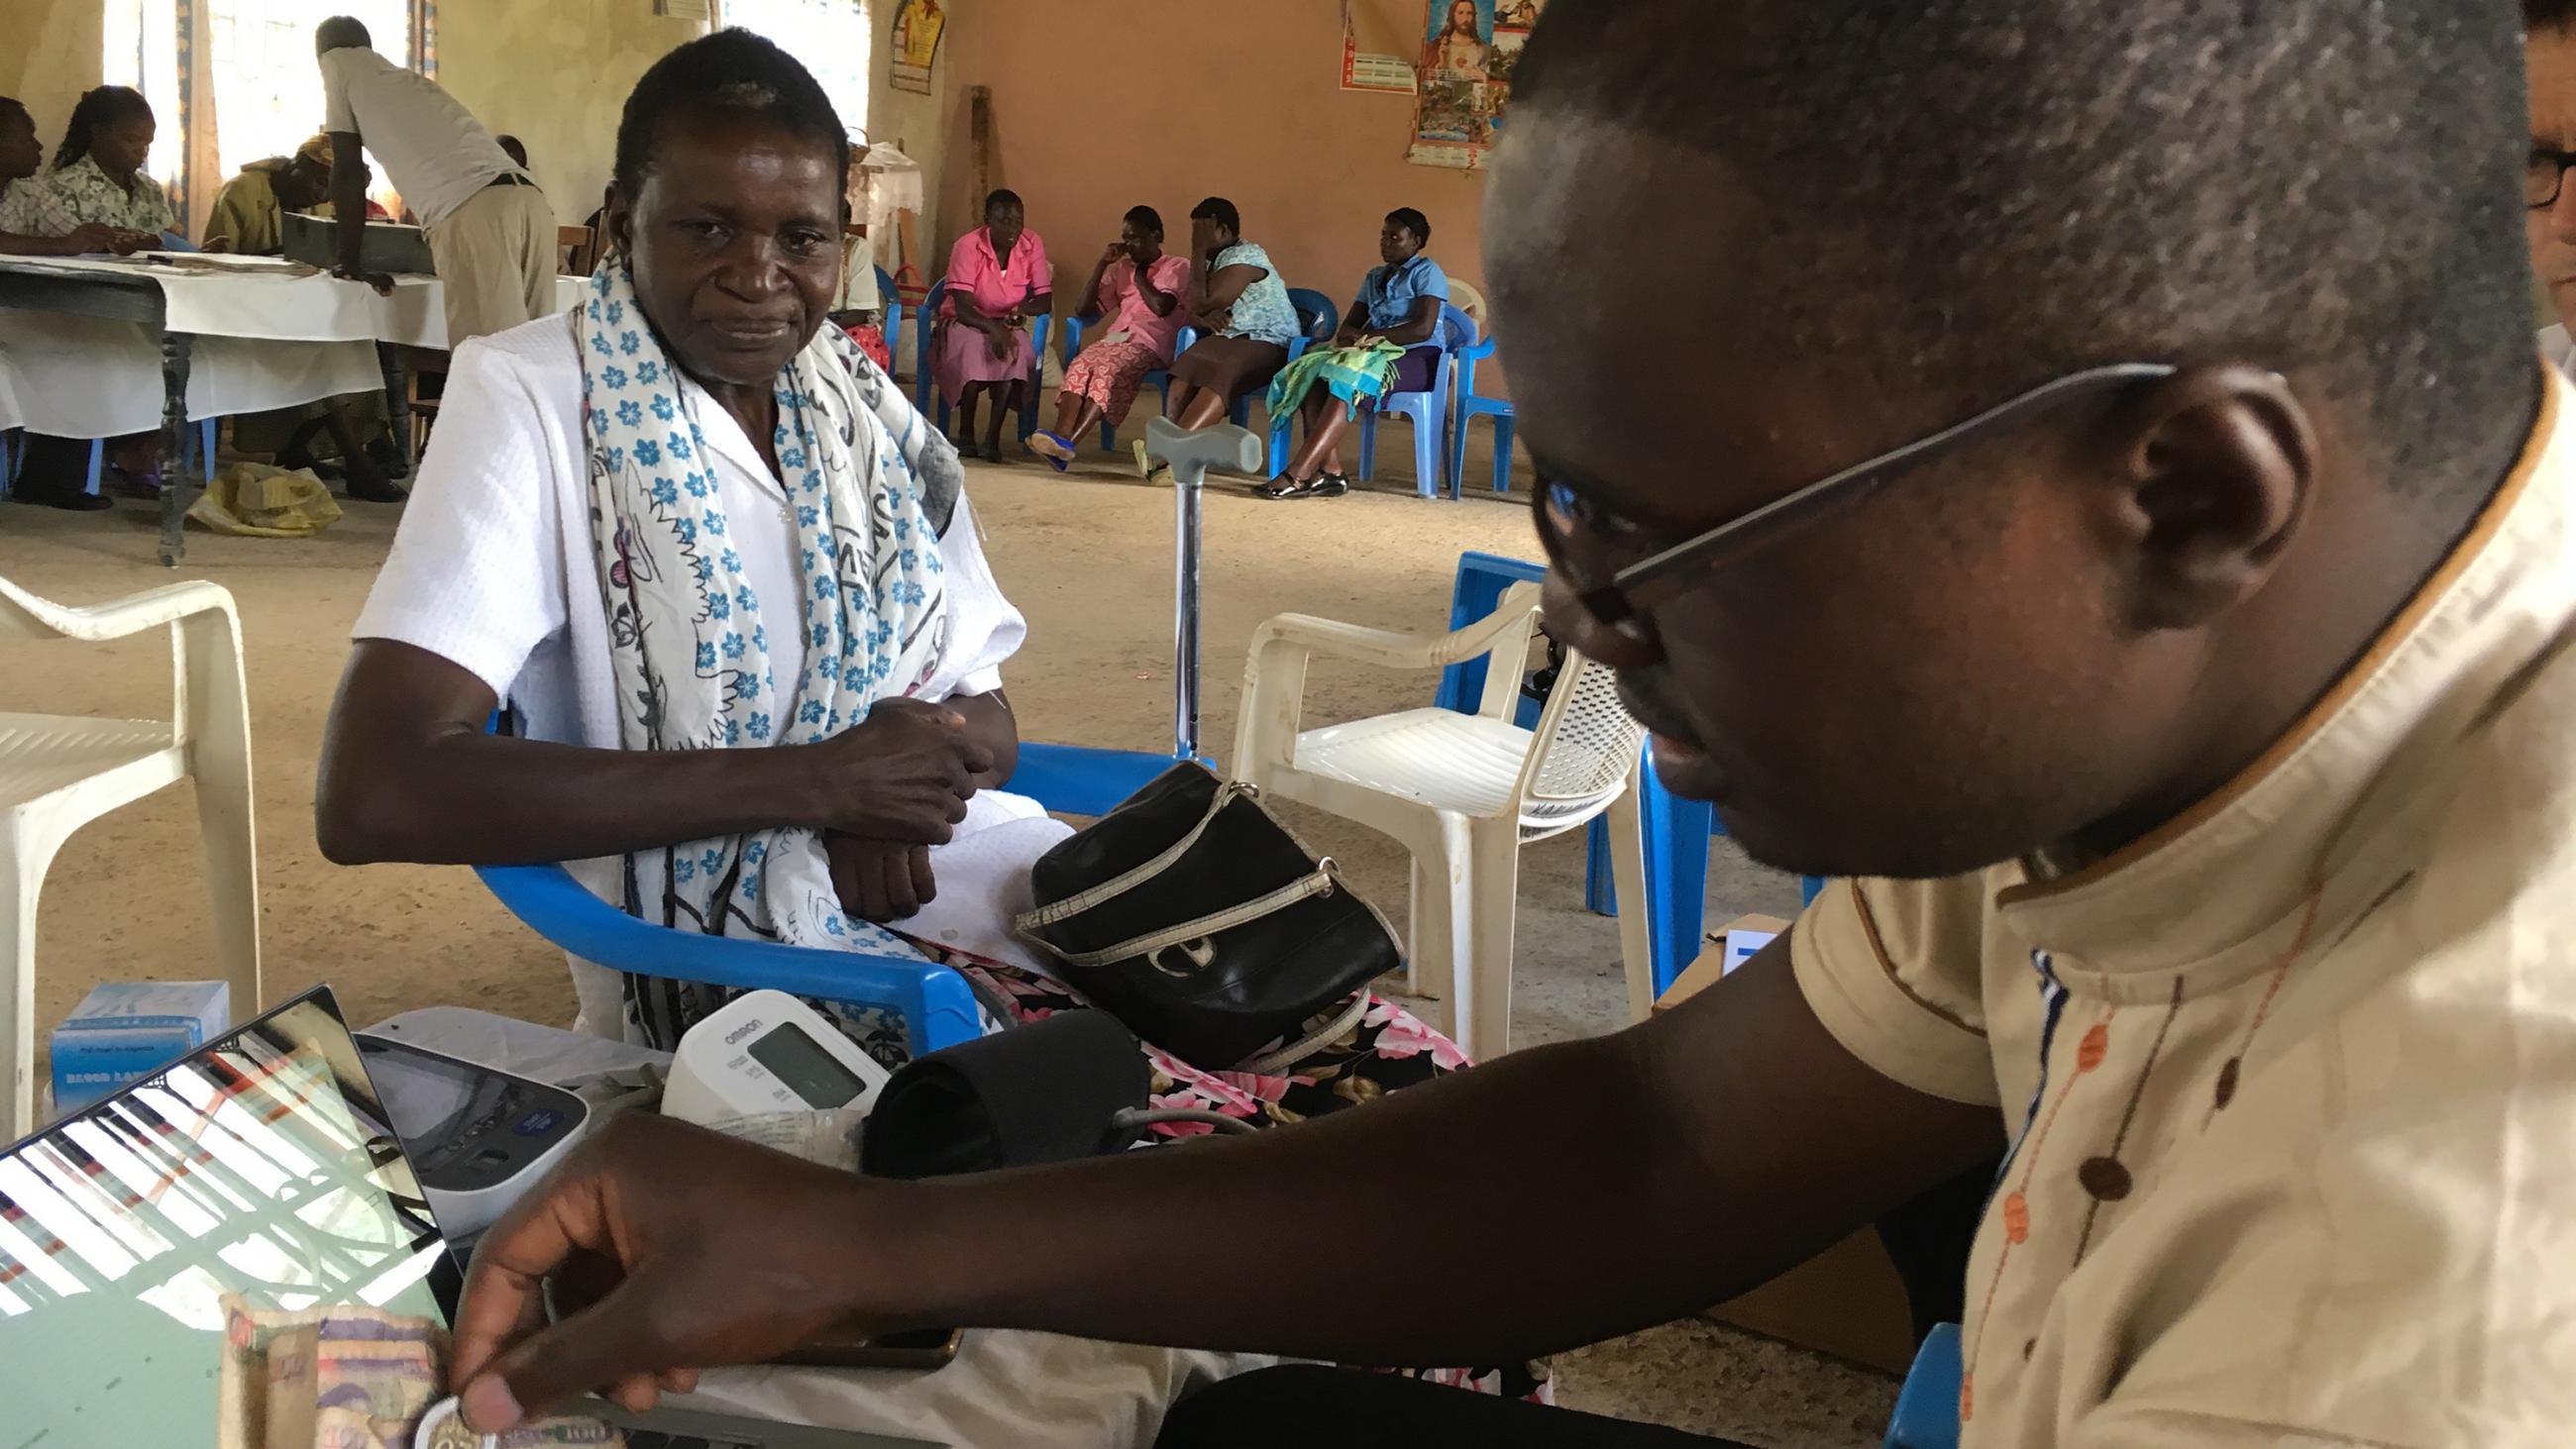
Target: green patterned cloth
(1353,374)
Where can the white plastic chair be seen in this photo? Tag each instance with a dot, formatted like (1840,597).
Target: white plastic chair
(1463,792)
(59,772)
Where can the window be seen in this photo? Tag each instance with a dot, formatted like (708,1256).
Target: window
(833,38)
(266,91)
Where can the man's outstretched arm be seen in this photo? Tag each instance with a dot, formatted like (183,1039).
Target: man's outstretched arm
(1658,1171)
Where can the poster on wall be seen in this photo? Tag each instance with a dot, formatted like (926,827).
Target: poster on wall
(1377,46)
(1469,50)
(918,24)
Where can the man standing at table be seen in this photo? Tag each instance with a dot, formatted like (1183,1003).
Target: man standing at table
(491,233)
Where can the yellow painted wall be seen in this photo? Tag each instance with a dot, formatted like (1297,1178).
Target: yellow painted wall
(555,74)
(49,54)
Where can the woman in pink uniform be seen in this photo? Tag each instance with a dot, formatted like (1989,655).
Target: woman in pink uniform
(998,278)
(1139,287)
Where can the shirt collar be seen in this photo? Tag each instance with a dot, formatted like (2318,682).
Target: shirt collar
(2297,846)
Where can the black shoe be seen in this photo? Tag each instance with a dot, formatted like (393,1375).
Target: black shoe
(1331,485)
(992,450)
(69,500)
(377,490)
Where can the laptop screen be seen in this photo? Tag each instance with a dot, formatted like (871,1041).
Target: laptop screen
(246,1186)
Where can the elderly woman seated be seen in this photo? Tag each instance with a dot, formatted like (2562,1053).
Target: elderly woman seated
(736,601)
(1140,287)
(1385,347)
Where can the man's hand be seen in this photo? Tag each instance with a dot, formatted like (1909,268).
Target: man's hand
(712,1252)
(904,775)
(217,245)
(880,880)
(1117,250)
(383,284)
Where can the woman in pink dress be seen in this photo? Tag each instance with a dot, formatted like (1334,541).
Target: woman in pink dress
(1140,288)
(998,278)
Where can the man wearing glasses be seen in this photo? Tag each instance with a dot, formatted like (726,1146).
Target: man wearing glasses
(2126,535)
(2550,56)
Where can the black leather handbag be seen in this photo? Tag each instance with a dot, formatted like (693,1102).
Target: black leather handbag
(1193,916)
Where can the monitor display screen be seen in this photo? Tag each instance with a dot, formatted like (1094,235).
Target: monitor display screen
(807,1069)
(150,1244)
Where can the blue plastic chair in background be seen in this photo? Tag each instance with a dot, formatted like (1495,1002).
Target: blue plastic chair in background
(1160,377)
(926,385)
(1428,410)
(1471,406)
(937,1006)
(1927,1408)
(889,313)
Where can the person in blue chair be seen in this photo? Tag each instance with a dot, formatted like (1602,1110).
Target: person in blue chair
(2081,476)
(1139,288)
(1385,347)
(721,570)
(1240,302)
(95,195)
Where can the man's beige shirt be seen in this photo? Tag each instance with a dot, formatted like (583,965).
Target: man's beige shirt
(2292,1080)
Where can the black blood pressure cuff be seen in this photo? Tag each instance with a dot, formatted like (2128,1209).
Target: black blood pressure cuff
(1049,1091)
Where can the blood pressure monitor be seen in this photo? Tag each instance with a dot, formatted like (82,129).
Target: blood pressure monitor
(476,1137)
(767,1052)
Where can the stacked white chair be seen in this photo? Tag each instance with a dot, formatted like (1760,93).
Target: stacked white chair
(1462,792)
(59,772)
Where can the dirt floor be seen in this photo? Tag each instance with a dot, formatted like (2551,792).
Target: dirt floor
(1088,557)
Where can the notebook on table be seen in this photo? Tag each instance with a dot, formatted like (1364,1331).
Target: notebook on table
(258,1171)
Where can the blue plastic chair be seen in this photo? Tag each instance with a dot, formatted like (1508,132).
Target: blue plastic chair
(1160,377)
(1927,1408)
(926,386)
(1317,320)
(1428,410)
(202,435)
(1471,406)
(890,310)
(937,1006)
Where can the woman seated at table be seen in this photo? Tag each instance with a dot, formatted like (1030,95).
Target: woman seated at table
(97,181)
(22,156)
(1385,346)
(998,278)
(1238,300)
(1140,287)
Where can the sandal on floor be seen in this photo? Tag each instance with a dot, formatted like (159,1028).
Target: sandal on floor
(1286,487)
(992,451)
(1053,448)
(1331,485)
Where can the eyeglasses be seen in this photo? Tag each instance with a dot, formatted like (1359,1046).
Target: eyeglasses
(1663,576)
(2542,175)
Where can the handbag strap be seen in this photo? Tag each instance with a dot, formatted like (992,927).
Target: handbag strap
(1320,883)
(1056,912)
(1274,1063)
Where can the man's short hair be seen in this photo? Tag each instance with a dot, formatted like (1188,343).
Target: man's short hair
(1412,221)
(1145,218)
(731,72)
(341,32)
(1001,197)
(11,106)
(2548,14)
(1221,211)
(2326,188)
(516,149)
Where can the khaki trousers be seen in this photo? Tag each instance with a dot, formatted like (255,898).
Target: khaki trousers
(496,259)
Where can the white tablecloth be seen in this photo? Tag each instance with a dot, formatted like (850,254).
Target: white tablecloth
(267,335)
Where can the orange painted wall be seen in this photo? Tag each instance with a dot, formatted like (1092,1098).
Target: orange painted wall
(1101,104)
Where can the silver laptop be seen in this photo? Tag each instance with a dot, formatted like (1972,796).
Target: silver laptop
(260,1166)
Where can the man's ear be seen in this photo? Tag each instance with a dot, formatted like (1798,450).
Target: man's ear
(2215,468)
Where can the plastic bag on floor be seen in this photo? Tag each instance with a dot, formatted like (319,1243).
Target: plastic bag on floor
(254,500)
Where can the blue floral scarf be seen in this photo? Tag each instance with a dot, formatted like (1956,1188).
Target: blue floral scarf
(870,488)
